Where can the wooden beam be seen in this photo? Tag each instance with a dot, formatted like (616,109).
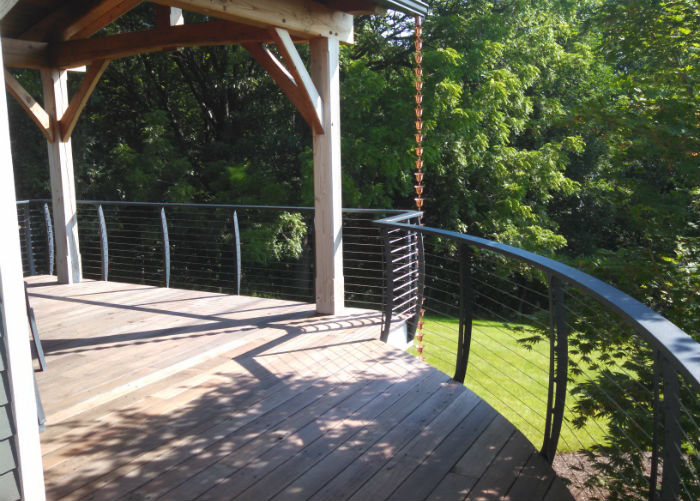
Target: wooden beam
(286,81)
(77,103)
(75,20)
(27,102)
(310,101)
(101,15)
(24,53)
(65,211)
(325,71)
(78,52)
(302,18)
(275,68)
(15,331)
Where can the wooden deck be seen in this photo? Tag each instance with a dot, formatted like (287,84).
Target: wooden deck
(155,393)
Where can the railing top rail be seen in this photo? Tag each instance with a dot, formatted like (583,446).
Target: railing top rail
(678,347)
(347,210)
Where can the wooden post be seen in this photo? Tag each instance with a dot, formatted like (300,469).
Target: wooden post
(15,331)
(68,268)
(325,73)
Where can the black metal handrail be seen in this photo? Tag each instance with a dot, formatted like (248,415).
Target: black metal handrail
(676,353)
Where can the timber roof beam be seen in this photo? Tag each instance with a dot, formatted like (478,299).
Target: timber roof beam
(304,19)
(72,53)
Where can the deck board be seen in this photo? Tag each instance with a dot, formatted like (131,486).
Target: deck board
(174,394)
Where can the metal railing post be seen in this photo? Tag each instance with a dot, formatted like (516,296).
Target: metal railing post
(166,247)
(28,239)
(671,476)
(104,245)
(656,429)
(389,287)
(466,312)
(558,367)
(420,273)
(237,243)
(49,238)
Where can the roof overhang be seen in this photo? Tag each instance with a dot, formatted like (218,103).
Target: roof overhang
(414,7)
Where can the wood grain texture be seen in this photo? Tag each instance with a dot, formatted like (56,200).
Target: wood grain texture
(28,104)
(303,18)
(172,394)
(65,208)
(24,53)
(325,73)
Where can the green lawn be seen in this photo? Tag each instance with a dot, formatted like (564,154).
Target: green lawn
(506,374)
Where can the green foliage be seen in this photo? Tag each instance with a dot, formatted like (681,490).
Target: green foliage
(277,240)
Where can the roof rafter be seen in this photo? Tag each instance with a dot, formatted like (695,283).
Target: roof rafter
(76,20)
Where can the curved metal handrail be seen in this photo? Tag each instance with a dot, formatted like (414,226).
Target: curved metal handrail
(676,352)
(678,347)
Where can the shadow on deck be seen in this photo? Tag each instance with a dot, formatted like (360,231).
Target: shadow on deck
(162,393)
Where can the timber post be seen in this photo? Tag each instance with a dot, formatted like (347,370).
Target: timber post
(325,73)
(68,267)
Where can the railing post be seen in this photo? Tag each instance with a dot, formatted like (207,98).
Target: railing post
(656,429)
(104,245)
(558,367)
(389,286)
(49,238)
(420,273)
(28,239)
(466,312)
(237,243)
(166,247)
(670,479)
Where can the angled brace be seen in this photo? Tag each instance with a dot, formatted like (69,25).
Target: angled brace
(295,82)
(35,111)
(77,103)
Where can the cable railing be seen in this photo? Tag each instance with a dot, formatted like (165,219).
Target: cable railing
(608,388)
(232,248)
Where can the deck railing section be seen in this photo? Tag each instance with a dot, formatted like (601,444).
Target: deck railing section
(403,273)
(609,388)
(605,384)
(238,249)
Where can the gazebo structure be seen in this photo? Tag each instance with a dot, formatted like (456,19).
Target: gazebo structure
(57,36)
(153,392)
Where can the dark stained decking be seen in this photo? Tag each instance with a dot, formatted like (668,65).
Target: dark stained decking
(157,393)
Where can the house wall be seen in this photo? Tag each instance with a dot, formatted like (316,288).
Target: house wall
(9,478)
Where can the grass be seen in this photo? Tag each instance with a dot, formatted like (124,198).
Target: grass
(509,376)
